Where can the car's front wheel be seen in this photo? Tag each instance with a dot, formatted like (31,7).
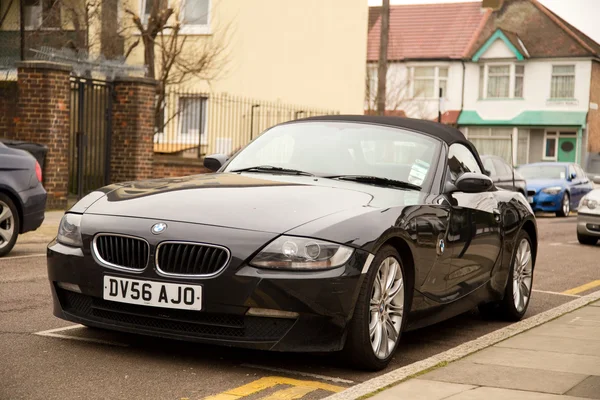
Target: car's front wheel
(565,206)
(588,240)
(9,224)
(380,313)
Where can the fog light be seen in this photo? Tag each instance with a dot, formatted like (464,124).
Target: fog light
(266,312)
(69,286)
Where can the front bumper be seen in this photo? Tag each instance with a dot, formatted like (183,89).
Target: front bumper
(546,202)
(588,224)
(323,301)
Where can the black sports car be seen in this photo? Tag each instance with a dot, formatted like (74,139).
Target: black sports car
(22,196)
(323,234)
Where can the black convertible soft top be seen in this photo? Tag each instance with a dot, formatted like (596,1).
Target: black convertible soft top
(446,133)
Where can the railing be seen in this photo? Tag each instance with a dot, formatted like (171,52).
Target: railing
(194,124)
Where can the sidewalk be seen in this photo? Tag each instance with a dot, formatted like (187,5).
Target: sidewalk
(557,360)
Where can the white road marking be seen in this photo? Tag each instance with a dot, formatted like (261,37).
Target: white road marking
(52,333)
(27,256)
(557,293)
(299,373)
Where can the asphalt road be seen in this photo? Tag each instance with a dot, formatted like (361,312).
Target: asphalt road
(92,364)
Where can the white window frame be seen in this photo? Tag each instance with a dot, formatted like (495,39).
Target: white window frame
(184,138)
(436,81)
(196,29)
(40,23)
(483,94)
(566,64)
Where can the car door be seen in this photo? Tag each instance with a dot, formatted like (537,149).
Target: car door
(474,229)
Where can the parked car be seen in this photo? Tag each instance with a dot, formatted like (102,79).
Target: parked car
(503,175)
(555,187)
(314,237)
(22,196)
(588,218)
(592,168)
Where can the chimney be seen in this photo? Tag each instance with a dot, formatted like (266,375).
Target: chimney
(493,4)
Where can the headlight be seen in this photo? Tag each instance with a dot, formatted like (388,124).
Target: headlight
(552,190)
(69,230)
(296,253)
(586,202)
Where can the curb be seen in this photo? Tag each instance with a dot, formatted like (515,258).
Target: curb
(463,350)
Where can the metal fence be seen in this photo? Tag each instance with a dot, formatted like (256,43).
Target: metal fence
(194,124)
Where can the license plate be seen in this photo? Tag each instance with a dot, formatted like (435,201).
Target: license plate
(154,294)
(530,199)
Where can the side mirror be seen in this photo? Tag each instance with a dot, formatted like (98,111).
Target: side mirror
(472,182)
(215,161)
(572,176)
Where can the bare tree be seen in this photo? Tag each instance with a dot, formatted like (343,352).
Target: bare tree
(383,57)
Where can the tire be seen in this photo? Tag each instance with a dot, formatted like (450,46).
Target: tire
(565,208)
(359,349)
(507,309)
(9,224)
(587,240)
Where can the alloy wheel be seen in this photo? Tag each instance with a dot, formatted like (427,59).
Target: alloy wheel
(7,224)
(565,205)
(522,275)
(386,308)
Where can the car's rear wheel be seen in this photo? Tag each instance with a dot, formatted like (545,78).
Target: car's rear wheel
(379,316)
(519,286)
(585,239)
(565,206)
(9,224)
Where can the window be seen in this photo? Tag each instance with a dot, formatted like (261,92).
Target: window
(563,82)
(498,81)
(502,167)
(192,119)
(550,144)
(147,9)
(488,165)
(572,171)
(461,160)
(523,147)
(195,16)
(519,73)
(501,81)
(41,14)
(427,81)
(492,141)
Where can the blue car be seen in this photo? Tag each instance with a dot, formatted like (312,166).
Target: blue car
(555,187)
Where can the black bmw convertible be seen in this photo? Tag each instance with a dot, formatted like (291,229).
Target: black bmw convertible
(332,233)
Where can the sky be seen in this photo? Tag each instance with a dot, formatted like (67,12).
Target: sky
(583,14)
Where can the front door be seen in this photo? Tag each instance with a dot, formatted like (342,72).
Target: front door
(567,149)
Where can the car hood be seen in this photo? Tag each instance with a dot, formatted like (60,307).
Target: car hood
(262,202)
(538,184)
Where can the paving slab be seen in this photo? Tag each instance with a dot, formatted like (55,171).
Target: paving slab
(539,360)
(470,373)
(567,331)
(488,393)
(418,389)
(587,316)
(589,388)
(555,344)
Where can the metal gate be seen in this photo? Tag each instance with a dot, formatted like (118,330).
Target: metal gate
(90,132)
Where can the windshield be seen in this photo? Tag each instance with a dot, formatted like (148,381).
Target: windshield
(543,172)
(338,149)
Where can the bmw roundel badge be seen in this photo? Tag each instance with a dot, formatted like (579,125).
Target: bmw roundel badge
(159,228)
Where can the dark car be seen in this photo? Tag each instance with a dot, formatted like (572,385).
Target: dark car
(22,196)
(503,175)
(556,187)
(323,234)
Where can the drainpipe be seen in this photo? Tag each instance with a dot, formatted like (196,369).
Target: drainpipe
(579,148)
(462,95)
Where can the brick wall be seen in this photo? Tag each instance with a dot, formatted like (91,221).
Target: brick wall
(8,108)
(166,167)
(594,115)
(43,117)
(133,128)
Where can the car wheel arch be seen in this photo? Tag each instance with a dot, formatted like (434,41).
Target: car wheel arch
(16,201)
(406,254)
(529,227)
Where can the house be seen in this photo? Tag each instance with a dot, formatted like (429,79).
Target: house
(427,50)
(523,83)
(529,87)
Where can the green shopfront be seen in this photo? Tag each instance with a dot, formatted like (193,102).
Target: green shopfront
(532,136)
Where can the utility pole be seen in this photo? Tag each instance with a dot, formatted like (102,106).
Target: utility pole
(383,57)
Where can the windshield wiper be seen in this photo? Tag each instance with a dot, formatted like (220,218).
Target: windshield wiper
(270,168)
(376,180)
